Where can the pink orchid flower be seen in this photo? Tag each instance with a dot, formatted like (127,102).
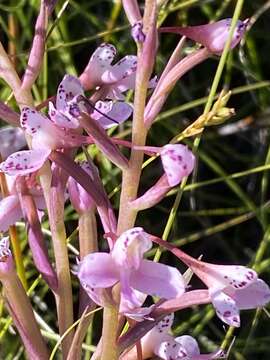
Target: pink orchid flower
(10,207)
(231,287)
(107,113)
(137,277)
(212,36)
(158,341)
(117,78)
(178,162)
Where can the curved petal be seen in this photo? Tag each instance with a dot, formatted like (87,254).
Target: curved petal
(99,62)
(69,87)
(24,162)
(212,36)
(178,162)
(60,119)
(130,298)
(157,280)
(129,248)
(11,140)
(222,276)
(121,70)
(189,344)
(41,128)
(171,350)
(139,314)
(10,212)
(255,295)
(116,113)
(226,309)
(97,270)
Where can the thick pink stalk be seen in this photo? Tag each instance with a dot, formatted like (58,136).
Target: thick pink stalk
(131,176)
(64,299)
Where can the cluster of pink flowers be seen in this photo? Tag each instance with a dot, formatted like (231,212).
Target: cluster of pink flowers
(56,136)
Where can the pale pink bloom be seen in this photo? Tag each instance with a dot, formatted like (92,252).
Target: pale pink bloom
(118,77)
(178,161)
(11,139)
(159,342)
(137,277)
(212,36)
(10,207)
(107,113)
(231,287)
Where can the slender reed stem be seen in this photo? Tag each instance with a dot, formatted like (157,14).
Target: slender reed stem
(109,333)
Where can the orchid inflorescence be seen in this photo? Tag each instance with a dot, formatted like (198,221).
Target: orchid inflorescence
(41,178)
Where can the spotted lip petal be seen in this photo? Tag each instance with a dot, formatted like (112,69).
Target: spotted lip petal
(177,161)
(24,162)
(226,309)
(121,70)
(69,87)
(116,113)
(257,294)
(129,248)
(99,62)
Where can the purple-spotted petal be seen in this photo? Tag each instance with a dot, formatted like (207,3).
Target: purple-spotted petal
(121,70)
(231,276)
(226,309)
(212,36)
(24,162)
(99,62)
(69,87)
(44,132)
(178,162)
(62,119)
(171,350)
(98,270)
(157,280)
(255,295)
(10,212)
(189,344)
(11,140)
(116,113)
(129,248)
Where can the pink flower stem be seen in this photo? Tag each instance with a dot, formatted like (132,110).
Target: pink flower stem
(131,174)
(64,299)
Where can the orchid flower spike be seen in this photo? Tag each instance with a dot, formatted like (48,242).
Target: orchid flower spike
(212,36)
(137,277)
(158,341)
(118,78)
